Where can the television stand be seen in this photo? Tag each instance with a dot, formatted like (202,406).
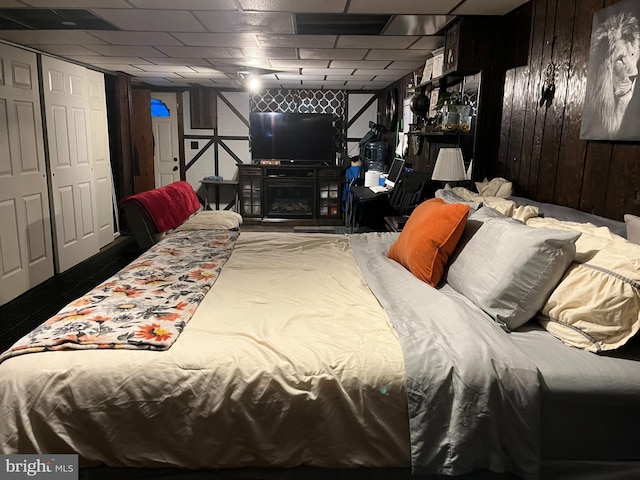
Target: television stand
(303,192)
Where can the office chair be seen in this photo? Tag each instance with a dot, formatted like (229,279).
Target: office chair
(410,190)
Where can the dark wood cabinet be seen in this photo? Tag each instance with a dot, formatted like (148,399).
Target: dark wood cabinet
(296,192)
(471,45)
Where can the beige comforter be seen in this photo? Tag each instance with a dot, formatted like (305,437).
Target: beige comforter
(288,360)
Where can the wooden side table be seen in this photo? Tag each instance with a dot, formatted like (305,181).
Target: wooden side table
(395,223)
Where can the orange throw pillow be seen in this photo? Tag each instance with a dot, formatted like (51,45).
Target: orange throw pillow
(429,238)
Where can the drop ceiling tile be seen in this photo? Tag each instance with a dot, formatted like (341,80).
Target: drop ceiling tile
(410,7)
(102,60)
(151,20)
(157,75)
(264,22)
(226,64)
(78,3)
(136,38)
(192,62)
(204,52)
(344,78)
(114,67)
(332,54)
(428,43)
(290,76)
(200,76)
(322,85)
(301,6)
(417,55)
(297,41)
(11,4)
(416,24)
(218,39)
(207,71)
(186,4)
(328,71)
(128,50)
(375,41)
(249,52)
(373,73)
(50,37)
(65,50)
(359,64)
(166,69)
(410,65)
(487,7)
(307,63)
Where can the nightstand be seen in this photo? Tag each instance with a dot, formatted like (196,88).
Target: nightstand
(395,223)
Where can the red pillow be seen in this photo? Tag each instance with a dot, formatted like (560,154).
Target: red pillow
(429,238)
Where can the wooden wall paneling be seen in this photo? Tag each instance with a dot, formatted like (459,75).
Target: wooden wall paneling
(487,136)
(554,54)
(506,127)
(532,137)
(519,109)
(572,156)
(623,181)
(594,179)
(180,102)
(118,93)
(142,139)
(204,114)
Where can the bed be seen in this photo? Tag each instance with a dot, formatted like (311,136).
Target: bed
(291,350)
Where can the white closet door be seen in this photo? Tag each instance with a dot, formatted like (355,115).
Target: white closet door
(101,157)
(26,252)
(73,190)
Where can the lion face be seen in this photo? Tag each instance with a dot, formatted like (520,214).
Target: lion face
(624,55)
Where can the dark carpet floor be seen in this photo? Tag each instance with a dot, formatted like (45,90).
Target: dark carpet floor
(21,315)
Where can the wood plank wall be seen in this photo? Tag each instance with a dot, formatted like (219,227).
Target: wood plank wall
(540,147)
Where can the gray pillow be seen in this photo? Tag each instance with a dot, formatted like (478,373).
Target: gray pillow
(509,269)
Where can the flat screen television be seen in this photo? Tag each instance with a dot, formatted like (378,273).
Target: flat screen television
(292,137)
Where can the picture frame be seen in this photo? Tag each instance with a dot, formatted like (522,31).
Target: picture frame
(611,108)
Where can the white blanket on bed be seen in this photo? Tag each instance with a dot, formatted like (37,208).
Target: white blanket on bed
(288,360)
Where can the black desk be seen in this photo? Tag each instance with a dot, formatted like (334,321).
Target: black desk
(359,196)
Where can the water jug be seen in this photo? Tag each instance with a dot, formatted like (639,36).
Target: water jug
(375,154)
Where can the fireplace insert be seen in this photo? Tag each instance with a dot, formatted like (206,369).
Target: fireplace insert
(290,197)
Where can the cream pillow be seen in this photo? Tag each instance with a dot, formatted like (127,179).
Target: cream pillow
(596,306)
(213,220)
(496,187)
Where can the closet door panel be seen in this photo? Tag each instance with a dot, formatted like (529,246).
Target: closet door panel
(26,249)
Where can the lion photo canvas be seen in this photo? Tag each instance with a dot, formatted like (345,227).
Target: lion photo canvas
(612,97)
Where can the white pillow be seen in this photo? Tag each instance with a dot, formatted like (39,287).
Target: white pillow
(509,269)
(496,187)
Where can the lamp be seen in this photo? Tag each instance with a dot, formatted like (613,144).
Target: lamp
(449,166)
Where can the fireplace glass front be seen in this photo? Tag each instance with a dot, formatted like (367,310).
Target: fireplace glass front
(290,198)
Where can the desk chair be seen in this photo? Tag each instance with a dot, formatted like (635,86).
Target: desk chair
(408,192)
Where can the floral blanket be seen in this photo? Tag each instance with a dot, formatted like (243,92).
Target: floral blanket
(144,306)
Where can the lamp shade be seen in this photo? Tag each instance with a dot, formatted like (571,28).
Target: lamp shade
(449,166)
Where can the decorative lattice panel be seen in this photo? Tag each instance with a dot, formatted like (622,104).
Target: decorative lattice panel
(304,101)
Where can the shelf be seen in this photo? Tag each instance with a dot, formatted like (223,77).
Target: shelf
(438,134)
